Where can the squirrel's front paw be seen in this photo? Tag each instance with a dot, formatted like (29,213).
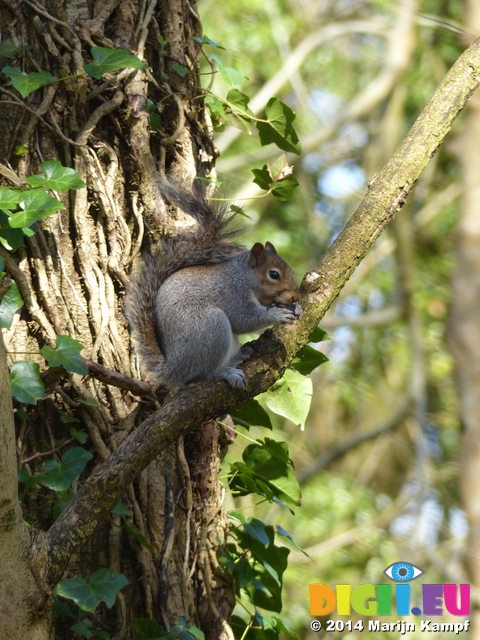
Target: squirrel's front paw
(286,313)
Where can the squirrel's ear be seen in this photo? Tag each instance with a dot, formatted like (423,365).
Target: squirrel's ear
(270,247)
(257,255)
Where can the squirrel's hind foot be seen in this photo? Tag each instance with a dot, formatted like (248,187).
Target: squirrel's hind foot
(235,377)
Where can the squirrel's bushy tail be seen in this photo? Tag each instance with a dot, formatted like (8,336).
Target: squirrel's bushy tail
(209,243)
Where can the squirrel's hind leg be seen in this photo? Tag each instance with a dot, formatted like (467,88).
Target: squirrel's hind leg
(211,352)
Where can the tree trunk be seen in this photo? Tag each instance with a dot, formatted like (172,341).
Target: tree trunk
(72,276)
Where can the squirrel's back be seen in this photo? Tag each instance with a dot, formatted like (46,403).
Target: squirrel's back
(211,242)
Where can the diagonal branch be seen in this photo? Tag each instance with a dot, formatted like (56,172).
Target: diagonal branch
(275,349)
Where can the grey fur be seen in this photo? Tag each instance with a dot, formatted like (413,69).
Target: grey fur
(191,299)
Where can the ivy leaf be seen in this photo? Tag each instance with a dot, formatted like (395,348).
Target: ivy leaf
(83,628)
(279,130)
(251,414)
(66,419)
(9,198)
(10,238)
(254,527)
(308,359)
(180,69)
(274,624)
(8,49)
(57,177)
(236,209)
(25,83)
(239,101)
(290,397)
(231,76)
(36,204)
(266,470)
(263,178)
(273,562)
(217,111)
(108,60)
(103,586)
(62,608)
(26,384)
(60,475)
(121,510)
(138,535)
(11,302)
(147,629)
(318,335)
(206,40)
(81,436)
(67,355)
(283,190)
(283,532)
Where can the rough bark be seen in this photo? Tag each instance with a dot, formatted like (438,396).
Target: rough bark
(17,550)
(72,274)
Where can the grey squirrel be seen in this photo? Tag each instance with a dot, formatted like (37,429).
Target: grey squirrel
(196,292)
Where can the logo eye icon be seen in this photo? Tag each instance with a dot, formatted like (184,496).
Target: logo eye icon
(403,571)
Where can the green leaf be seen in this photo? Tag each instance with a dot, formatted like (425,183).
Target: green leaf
(272,562)
(61,607)
(263,178)
(67,355)
(25,83)
(9,198)
(26,384)
(8,49)
(274,624)
(59,476)
(11,302)
(147,629)
(318,335)
(239,101)
(138,535)
(10,238)
(180,69)
(121,510)
(308,359)
(254,527)
(283,532)
(2,267)
(290,397)
(266,470)
(231,76)
(36,204)
(102,586)
(162,42)
(206,40)
(21,150)
(57,177)
(66,418)
(195,632)
(81,436)
(251,414)
(279,130)
(155,121)
(108,60)
(83,628)
(283,190)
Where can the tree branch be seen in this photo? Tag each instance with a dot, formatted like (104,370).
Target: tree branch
(275,349)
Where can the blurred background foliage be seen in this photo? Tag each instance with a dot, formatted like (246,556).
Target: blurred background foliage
(380,458)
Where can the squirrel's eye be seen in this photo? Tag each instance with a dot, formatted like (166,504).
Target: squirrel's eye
(274,275)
